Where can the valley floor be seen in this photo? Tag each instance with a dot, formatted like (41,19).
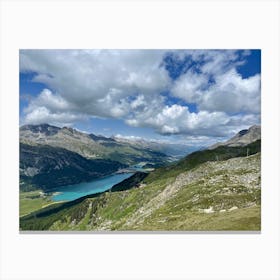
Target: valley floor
(32,201)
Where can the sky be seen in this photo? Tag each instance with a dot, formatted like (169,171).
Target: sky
(195,97)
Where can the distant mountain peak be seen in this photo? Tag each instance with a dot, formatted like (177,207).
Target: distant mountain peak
(100,138)
(40,128)
(242,138)
(243,132)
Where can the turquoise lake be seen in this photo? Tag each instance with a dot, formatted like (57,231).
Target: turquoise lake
(72,192)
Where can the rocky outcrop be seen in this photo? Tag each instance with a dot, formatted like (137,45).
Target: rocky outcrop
(242,138)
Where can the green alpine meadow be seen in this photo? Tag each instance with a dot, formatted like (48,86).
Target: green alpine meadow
(140,140)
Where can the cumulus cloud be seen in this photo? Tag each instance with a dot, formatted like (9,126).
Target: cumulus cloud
(232,94)
(51,108)
(189,87)
(98,83)
(44,115)
(177,119)
(130,85)
(217,86)
(129,137)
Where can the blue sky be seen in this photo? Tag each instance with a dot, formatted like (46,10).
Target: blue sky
(193,96)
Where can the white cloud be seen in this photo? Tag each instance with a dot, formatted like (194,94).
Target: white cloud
(177,119)
(53,102)
(189,86)
(129,137)
(127,84)
(227,92)
(232,94)
(98,83)
(51,108)
(43,115)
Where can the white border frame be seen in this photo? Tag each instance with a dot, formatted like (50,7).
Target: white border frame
(133,24)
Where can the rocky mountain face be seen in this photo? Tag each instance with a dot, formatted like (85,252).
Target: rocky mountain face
(43,129)
(65,137)
(89,146)
(242,138)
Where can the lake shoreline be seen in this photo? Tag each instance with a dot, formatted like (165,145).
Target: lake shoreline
(98,185)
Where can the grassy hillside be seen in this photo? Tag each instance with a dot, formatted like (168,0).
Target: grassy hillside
(214,195)
(32,201)
(198,157)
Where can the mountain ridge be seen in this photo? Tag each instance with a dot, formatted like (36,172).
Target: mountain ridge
(242,138)
(89,146)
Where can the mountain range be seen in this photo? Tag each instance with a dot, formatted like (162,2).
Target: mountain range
(89,146)
(218,188)
(51,156)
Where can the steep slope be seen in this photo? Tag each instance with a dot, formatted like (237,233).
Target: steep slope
(47,167)
(242,138)
(204,195)
(198,157)
(65,137)
(212,187)
(89,145)
(135,181)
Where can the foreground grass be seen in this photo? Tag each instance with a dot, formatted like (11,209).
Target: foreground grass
(32,201)
(92,215)
(239,219)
